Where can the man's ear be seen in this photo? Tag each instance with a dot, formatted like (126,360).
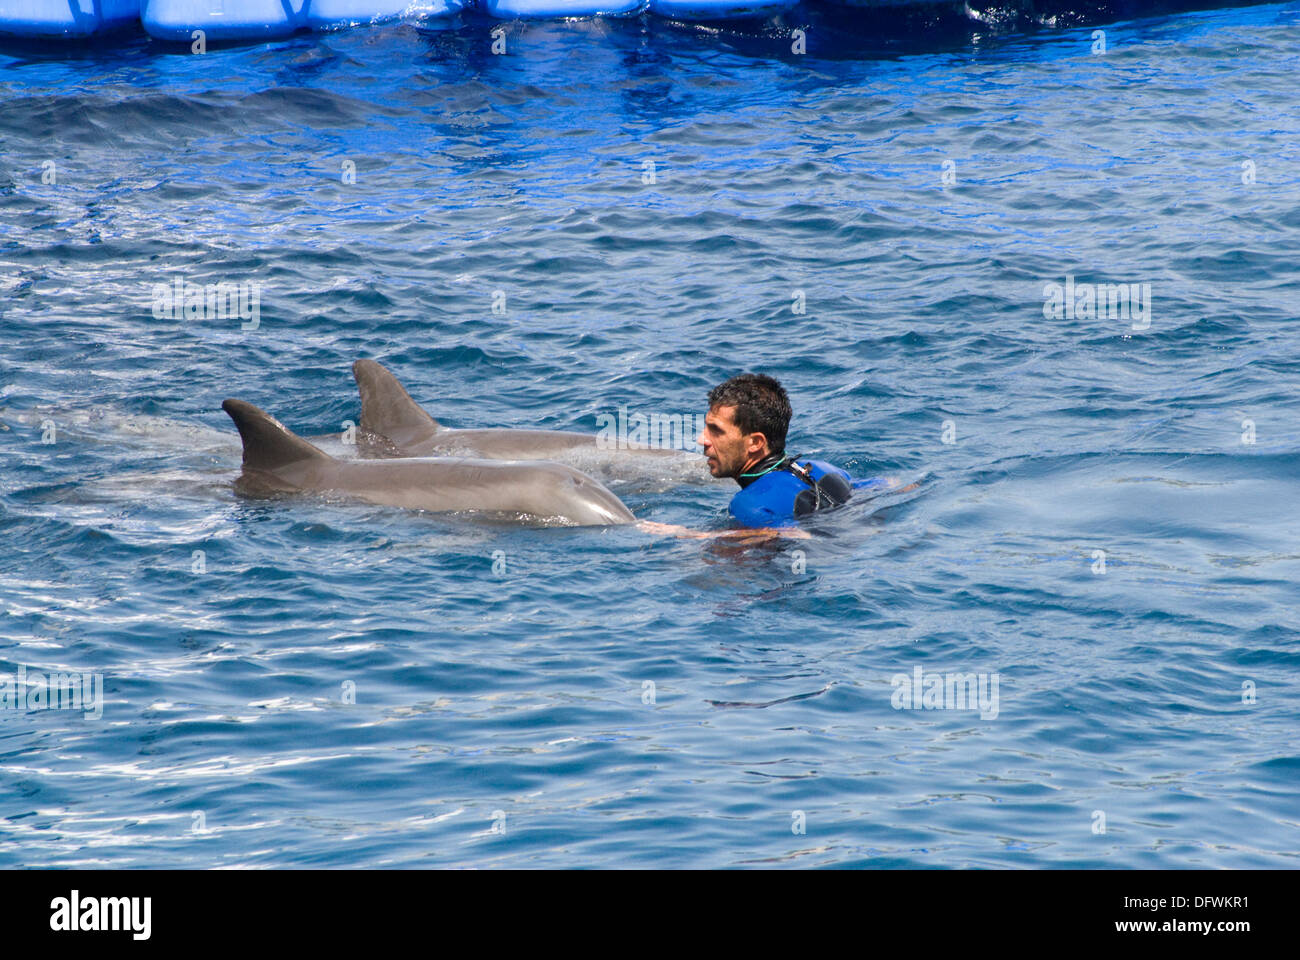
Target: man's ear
(757,441)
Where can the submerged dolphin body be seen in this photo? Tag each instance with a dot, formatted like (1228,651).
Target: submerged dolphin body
(394,425)
(276,460)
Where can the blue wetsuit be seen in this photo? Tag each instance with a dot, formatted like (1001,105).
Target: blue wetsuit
(778,491)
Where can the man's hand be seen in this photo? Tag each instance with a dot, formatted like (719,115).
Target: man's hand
(670,530)
(756,533)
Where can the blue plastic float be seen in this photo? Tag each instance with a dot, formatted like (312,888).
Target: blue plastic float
(265,19)
(560,9)
(65,18)
(719,9)
(878,5)
(329,14)
(177,20)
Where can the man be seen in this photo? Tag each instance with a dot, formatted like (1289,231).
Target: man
(744,438)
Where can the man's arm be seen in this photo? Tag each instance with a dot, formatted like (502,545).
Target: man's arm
(756,533)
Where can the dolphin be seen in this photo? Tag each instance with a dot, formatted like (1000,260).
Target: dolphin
(394,425)
(277,460)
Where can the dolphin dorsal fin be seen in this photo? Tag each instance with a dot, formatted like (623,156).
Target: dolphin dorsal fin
(268,443)
(387,409)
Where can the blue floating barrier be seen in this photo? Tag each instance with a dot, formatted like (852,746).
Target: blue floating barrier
(221,19)
(719,9)
(559,9)
(65,18)
(325,14)
(880,5)
(267,19)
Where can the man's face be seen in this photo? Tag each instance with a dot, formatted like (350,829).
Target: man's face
(727,450)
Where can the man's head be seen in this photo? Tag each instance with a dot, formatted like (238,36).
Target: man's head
(747,420)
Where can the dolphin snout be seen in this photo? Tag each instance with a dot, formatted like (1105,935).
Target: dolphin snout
(593,504)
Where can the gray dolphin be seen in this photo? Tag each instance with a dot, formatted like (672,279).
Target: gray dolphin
(394,425)
(276,460)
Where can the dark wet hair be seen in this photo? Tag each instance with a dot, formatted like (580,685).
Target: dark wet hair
(761,403)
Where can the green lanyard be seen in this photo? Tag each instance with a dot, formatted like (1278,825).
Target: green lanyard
(780,464)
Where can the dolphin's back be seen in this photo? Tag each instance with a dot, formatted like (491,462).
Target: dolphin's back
(394,425)
(276,460)
(387,410)
(269,445)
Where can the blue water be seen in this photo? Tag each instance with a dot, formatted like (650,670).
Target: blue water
(501,718)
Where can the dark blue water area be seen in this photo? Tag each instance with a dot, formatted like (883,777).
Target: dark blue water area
(1105,523)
